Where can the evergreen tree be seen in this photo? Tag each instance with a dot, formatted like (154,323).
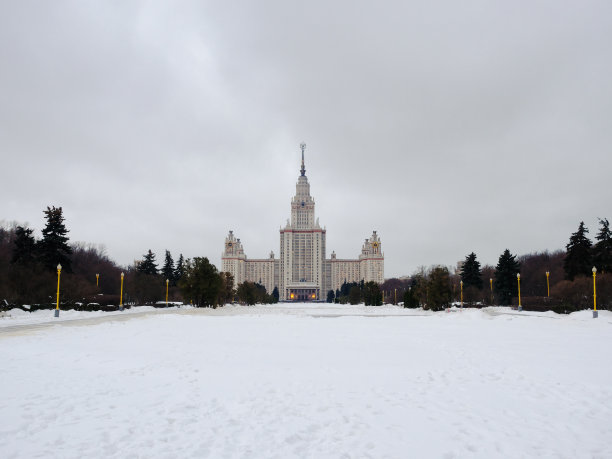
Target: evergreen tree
(439,293)
(54,248)
(419,287)
(180,268)
(470,273)
(346,287)
(24,251)
(226,293)
(506,284)
(247,293)
(261,294)
(354,295)
(148,265)
(578,260)
(276,294)
(410,299)
(372,296)
(602,251)
(330,296)
(168,268)
(201,282)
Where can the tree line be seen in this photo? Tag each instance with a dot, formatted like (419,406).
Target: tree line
(28,270)
(28,273)
(567,287)
(28,266)
(368,293)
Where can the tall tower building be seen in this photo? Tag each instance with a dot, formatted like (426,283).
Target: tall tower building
(302,247)
(302,273)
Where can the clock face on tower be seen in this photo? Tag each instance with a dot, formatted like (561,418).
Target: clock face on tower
(375,245)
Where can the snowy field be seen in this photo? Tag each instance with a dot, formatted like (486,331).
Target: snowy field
(306,381)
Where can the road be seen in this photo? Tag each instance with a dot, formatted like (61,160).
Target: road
(315,311)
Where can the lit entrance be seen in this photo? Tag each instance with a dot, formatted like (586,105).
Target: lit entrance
(303,294)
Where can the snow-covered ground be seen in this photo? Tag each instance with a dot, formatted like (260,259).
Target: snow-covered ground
(307,381)
(20,317)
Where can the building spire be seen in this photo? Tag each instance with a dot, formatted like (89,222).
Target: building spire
(303,147)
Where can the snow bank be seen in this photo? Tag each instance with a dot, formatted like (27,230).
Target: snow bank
(20,317)
(42,316)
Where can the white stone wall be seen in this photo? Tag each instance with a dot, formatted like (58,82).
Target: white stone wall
(344,271)
(372,269)
(261,272)
(286,261)
(236,268)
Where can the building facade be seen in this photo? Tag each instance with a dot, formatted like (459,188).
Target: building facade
(302,273)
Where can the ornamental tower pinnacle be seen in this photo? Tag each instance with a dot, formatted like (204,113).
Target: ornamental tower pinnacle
(302,204)
(303,147)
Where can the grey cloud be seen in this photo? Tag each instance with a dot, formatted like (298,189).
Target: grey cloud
(447,127)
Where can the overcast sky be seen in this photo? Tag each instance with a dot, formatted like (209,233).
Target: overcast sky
(448,127)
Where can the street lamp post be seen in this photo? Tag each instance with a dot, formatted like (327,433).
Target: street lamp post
(167,281)
(518,279)
(461,283)
(491,284)
(59,272)
(121,295)
(547,284)
(395,302)
(595,313)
